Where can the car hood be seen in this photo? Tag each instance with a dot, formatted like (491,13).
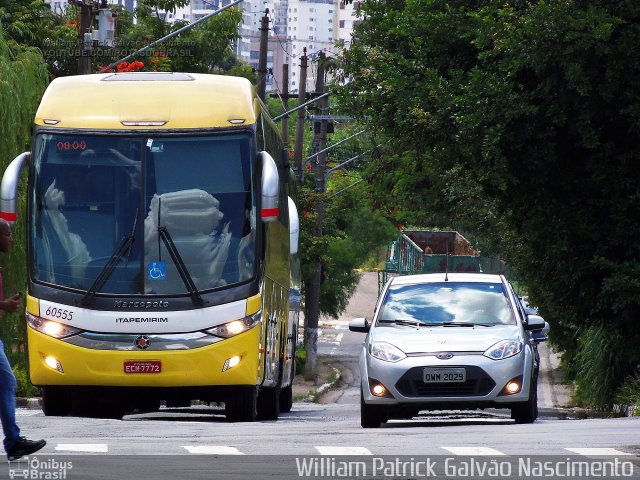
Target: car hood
(449,339)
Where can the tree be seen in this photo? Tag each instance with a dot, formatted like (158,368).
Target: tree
(519,120)
(23,78)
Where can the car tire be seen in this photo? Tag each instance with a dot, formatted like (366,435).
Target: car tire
(56,402)
(241,406)
(527,412)
(371,416)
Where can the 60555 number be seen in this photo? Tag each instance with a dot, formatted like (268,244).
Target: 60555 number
(61,313)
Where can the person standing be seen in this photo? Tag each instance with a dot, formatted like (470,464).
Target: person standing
(15,445)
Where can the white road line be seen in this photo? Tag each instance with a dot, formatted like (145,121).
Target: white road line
(597,452)
(82,447)
(339,450)
(212,450)
(473,451)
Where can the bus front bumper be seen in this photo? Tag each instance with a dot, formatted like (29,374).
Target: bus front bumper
(56,362)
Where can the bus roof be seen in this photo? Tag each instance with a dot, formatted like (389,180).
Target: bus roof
(148,101)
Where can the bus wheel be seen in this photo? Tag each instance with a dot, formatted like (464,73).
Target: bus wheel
(56,402)
(286,399)
(241,405)
(269,404)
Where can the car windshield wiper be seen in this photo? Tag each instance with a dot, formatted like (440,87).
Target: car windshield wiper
(411,323)
(462,324)
(179,263)
(123,248)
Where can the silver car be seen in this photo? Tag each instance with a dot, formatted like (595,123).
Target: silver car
(448,342)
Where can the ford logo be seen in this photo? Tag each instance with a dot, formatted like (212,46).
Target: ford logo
(444,356)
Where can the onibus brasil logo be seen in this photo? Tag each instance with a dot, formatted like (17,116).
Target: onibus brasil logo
(34,468)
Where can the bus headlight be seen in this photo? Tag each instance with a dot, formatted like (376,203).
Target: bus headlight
(235,327)
(51,328)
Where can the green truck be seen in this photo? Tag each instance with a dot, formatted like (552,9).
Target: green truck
(428,251)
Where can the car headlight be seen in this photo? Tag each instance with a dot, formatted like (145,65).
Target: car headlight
(503,349)
(231,329)
(386,351)
(51,328)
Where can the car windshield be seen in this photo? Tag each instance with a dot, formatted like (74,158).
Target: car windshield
(97,198)
(447,304)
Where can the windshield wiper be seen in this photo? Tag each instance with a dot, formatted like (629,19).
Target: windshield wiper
(462,324)
(123,248)
(179,263)
(411,323)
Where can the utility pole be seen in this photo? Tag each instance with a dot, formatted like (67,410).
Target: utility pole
(262,59)
(312,300)
(87,11)
(285,102)
(302,94)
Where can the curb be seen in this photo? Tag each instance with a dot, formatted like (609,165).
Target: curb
(31,403)
(313,395)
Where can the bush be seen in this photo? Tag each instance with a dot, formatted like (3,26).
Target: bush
(301,359)
(25,389)
(629,393)
(600,365)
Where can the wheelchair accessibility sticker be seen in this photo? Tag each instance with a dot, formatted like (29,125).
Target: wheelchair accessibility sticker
(157,271)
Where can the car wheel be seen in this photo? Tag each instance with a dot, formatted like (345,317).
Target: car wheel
(527,412)
(371,416)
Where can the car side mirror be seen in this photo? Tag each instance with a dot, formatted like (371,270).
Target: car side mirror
(360,325)
(535,322)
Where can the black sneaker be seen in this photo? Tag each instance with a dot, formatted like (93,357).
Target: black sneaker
(24,447)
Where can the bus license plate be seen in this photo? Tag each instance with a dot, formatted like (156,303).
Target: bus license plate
(444,375)
(147,366)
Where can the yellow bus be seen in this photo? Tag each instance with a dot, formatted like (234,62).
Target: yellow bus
(161,240)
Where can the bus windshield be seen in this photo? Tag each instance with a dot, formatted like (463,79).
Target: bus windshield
(97,198)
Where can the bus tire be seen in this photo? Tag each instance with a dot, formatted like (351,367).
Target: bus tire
(286,399)
(269,404)
(55,402)
(241,405)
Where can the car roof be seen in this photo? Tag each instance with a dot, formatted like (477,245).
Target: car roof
(451,277)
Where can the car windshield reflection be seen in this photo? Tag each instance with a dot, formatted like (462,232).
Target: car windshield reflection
(447,304)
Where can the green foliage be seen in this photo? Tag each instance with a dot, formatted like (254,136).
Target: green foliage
(600,365)
(24,388)
(23,78)
(352,230)
(301,359)
(629,393)
(166,5)
(518,122)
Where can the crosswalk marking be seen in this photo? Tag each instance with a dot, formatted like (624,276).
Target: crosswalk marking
(473,451)
(340,450)
(597,452)
(212,450)
(82,447)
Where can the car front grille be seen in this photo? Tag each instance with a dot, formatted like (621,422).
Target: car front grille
(478,384)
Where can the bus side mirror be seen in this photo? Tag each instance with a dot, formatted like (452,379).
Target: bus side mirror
(270,188)
(294,227)
(9,188)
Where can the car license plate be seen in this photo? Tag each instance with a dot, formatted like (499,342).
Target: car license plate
(146,366)
(444,375)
